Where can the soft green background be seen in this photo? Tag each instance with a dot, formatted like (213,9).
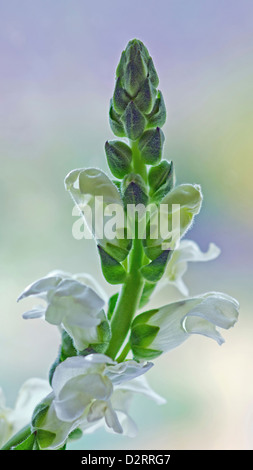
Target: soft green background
(58,61)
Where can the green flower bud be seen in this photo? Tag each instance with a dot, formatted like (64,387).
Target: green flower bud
(145,98)
(115,122)
(152,73)
(119,157)
(135,72)
(120,97)
(151,146)
(134,190)
(157,116)
(134,121)
(161,179)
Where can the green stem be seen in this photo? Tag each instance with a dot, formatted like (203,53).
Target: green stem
(131,290)
(124,353)
(19,437)
(128,301)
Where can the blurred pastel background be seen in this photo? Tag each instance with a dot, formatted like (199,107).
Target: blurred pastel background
(58,61)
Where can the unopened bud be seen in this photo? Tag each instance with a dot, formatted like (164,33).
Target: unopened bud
(157,116)
(134,121)
(161,180)
(134,190)
(119,157)
(151,146)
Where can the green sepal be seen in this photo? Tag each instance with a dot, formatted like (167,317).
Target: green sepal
(111,305)
(134,121)
(157,116)
(151,146)
(67,349)
(146,96)
(104,335)
(120,97)
(152,252)
(161,179)
(134,190)
(76,434)
(119,252)
(115,122)
(146,354)
(44,438)
(39,414)
(113,271)
(153,271)
(148,290)
(142,335)
(27,444)
(119,157)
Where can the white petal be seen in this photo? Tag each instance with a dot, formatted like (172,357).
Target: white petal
(30,394)
(140,385)
(41,287)
(176,320)
(79,303)
(187,251)
(78,365)
(36,312)
(127,370)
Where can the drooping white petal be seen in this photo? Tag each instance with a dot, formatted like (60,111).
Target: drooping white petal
(40,288)
(141,385)
(186,251)
(125,371)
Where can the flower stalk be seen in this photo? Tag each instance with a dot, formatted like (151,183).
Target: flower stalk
(106,343)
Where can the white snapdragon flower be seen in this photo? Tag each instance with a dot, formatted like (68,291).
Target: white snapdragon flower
(92,391)
(167,327)
(69,303)
(97,199)
(187,251)
(14,419)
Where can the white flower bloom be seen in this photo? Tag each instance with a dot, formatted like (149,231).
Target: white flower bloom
(12,420)
(92,391)
(186,251)
(97,199)
(69,303)
(171,325)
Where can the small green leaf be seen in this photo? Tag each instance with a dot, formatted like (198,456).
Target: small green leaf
(112,270)
(153,271)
